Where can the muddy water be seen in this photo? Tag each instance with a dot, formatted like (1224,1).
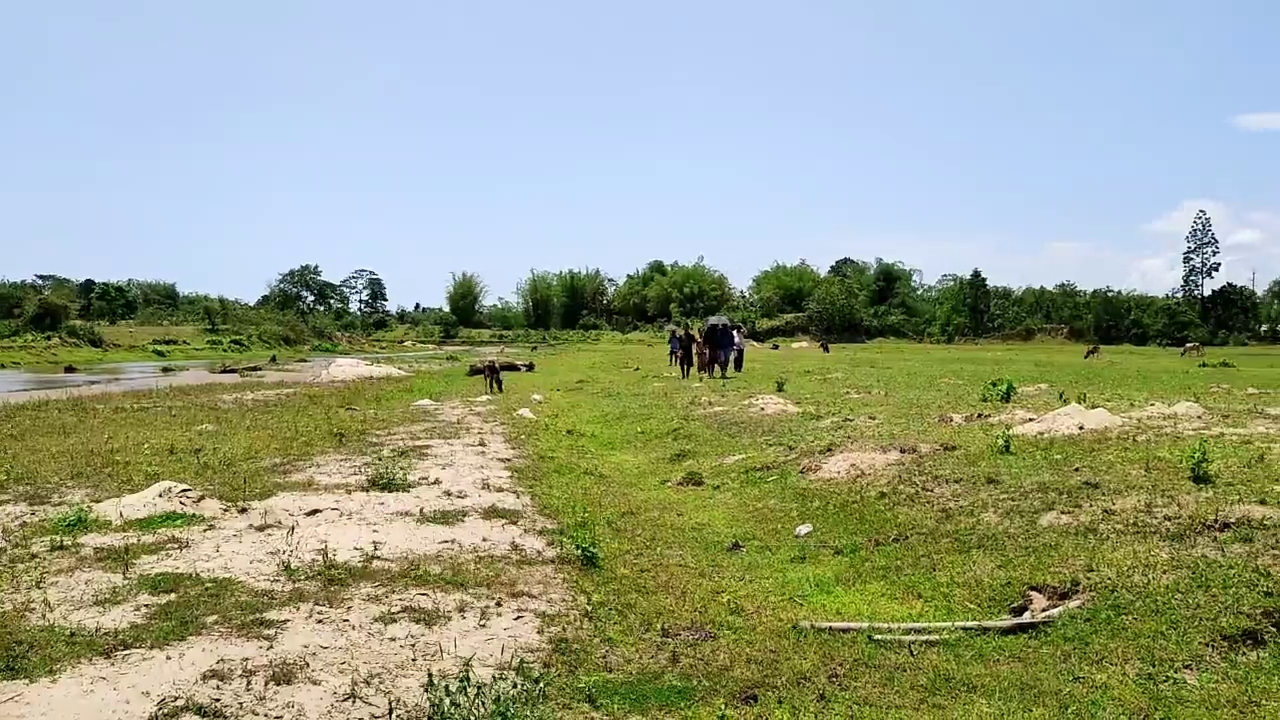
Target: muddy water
(23,385)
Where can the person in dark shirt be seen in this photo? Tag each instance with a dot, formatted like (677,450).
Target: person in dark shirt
(688,344)
(673,348)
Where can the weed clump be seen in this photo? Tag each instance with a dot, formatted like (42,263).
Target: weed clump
(1199,464)
(78,520)
(519,694)
(780,383)
(1003,443)
(582,542)
(442,516)
(389,473)
(999,390)
(1219,363)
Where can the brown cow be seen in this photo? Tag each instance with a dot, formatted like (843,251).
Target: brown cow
(1193,348)
(1092,351)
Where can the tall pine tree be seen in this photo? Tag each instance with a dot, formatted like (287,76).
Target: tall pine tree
(1199,259)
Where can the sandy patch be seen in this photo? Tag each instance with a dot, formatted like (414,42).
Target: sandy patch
(1053,518)
(1070,420)
(1011,417)
(732,459)
(325,663)
(164,496)
(1034,389)
(770,405)
(344,369)
(354,660)
(1184,409)
(257,396)
(858,463)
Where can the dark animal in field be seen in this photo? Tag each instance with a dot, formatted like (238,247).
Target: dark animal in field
(775,346)
(1093,350)
(492,376)
(70,369)
(1193,348)
(533,349)
(826,349)
(273,360)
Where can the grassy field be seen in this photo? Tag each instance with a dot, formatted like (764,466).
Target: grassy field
(676,508)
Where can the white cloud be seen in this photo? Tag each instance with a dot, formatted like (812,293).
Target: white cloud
(1257,122)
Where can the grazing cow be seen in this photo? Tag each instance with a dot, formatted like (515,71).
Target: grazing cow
(1092,351)
(1193,348)
(826,349)
(492,376)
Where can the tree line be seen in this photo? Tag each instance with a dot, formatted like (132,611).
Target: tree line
(850,300)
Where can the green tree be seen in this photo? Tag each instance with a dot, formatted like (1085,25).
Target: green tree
(465,298)
(365,293)
(835,309)
(634,300)
(977,303)
(1232,311)
(691,292)
(302,291)
(504,315)
(84,298)
(48,314)
(784,289)
(113,302)
(1199,259)
(538,298)
(582,294)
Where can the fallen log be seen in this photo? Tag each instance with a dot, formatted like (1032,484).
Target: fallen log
(234,369)
(1004,624)
(503,365)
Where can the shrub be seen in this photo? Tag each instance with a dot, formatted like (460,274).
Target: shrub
(582,542)
(85,334)
(1003,444)
(239,344)
(999,390)
(169,340)
(76,521)
(1219,363)
(780,383)
(159,351)
(1199,464)
(215,342)
(324,346)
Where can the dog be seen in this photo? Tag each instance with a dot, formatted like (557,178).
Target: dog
(492,376)
(1092,351)
(1193,348)
(775,346)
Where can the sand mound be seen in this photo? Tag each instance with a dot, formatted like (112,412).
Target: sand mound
(1160,410)
(164,496)
(857,463)
(799,345)
(344,369)
(771,405)
(1070,420)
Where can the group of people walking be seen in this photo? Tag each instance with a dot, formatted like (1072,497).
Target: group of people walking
(715,347)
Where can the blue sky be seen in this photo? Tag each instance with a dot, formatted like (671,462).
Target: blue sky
(217,144)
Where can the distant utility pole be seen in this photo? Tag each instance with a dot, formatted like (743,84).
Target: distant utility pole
(1253,279)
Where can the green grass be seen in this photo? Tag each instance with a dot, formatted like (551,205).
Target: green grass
(442,516)
(656,532)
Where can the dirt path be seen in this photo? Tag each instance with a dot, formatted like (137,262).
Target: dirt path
(358,648)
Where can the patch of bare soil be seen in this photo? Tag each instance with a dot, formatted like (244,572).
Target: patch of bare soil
(364,657)
(1070,420)
(164,496)
(1034,389)
(1184,409)
(770,405)
(1011,417)
(344,369)
(1054,518)
(859,463)
(257,396)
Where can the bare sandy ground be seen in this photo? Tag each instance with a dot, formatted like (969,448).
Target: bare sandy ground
(342,661)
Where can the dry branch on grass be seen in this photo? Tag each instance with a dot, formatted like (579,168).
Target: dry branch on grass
(1002,625)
